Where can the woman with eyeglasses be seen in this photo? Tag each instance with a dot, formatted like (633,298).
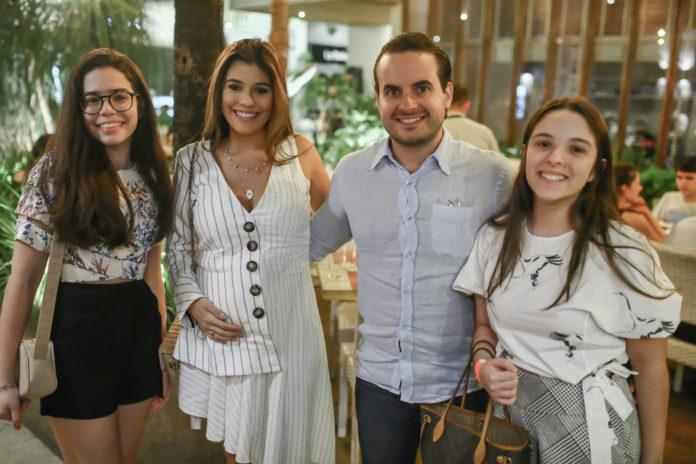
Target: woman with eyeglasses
(103,189)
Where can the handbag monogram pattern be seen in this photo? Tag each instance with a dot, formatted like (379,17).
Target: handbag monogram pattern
(451,434)
(36,364)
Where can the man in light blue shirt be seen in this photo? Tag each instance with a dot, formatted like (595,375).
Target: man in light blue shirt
(413,203)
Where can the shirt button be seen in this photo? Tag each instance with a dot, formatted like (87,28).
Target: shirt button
(406,292)
(409,217)
(252,245)
(258,313)
(252,266)
(249,226)
(408,182)
(255,290)
(409,255)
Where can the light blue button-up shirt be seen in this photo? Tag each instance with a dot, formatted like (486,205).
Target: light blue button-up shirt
(413,233)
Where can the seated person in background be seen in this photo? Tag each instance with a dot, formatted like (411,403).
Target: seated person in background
(683,234)
(675,206)
(463,128)
(633,209)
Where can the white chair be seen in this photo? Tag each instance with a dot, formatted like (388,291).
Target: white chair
(680,267)
(348,322)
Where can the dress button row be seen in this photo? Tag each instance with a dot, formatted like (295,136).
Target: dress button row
(252,266)
(255,290)
(258,313)
(249,226)
(252,245)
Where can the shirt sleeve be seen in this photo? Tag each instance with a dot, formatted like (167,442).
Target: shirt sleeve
(471,279)
(330,228)
(180,249)
(630,314)
(34,222)
(659,209)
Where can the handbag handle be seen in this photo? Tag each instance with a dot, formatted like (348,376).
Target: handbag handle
(189,188)
(48,302)
(440,426)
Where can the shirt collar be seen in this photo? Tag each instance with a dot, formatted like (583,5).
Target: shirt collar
(455,114)
(442,154)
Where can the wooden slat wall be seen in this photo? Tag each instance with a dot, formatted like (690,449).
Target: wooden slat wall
(551,48)
(629,60)
(486,39)
(517,54)
(675,33)
(590,31)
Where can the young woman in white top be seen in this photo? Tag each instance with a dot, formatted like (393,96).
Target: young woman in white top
(105,190)
(566,294)
(253,360)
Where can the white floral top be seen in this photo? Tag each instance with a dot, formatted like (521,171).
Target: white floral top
(99,262)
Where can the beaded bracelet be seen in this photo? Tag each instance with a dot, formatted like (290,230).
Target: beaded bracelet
(7,387)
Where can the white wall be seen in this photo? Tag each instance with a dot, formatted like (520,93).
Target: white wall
(363,48)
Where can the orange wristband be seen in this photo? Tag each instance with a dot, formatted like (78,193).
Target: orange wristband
(477,367)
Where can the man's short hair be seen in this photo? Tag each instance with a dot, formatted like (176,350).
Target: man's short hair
(416,42)
(687,165)
(460,94)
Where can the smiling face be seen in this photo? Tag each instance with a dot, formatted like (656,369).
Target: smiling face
(112,128)
(247,98)
(411,101)
(560,157)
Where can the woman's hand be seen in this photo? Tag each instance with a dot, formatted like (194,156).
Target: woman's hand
(12,408)
(159,401)
(499,378)
(213,321)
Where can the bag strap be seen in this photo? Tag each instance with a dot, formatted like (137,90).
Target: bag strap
(48,302)
(189,188)
(480,451)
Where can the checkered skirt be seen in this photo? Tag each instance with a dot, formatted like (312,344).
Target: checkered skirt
(553,412)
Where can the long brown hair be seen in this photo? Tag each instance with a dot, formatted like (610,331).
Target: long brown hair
(592,214)
(263,55)
(85,207)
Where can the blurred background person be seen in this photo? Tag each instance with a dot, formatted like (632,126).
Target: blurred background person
(632,206)
(463,128)
(675,206)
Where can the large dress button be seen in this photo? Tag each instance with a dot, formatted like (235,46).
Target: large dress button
(252,245)
(255,290)
(252,266)
(259,313)
(249,226)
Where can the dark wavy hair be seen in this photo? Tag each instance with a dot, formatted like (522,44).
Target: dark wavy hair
(263,55)
(85,207)
(592,214)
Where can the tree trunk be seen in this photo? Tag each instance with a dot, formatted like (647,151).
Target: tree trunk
(198,39)
(279,29)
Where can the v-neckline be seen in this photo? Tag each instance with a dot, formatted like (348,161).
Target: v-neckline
(231,190)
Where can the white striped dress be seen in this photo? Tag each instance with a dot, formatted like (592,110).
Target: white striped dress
(267,396)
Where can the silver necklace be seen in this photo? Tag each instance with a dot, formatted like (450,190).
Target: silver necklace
(249,193)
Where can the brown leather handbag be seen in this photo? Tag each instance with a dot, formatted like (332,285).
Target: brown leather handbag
(451,434)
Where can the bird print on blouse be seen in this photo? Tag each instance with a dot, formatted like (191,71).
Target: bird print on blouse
(571,341)
(538,263)
(653,325)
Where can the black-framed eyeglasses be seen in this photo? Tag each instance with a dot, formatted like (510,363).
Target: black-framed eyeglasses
(120,101)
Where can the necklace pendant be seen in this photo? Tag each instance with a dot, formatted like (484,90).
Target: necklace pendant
(249,194)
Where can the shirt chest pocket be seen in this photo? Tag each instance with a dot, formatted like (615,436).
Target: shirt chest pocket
(453,229)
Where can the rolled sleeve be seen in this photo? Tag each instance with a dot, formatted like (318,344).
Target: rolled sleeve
(329,228)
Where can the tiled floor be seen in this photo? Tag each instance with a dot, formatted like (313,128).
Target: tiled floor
(680,447)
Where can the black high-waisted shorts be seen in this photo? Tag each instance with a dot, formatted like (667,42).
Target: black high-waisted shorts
(105,338)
